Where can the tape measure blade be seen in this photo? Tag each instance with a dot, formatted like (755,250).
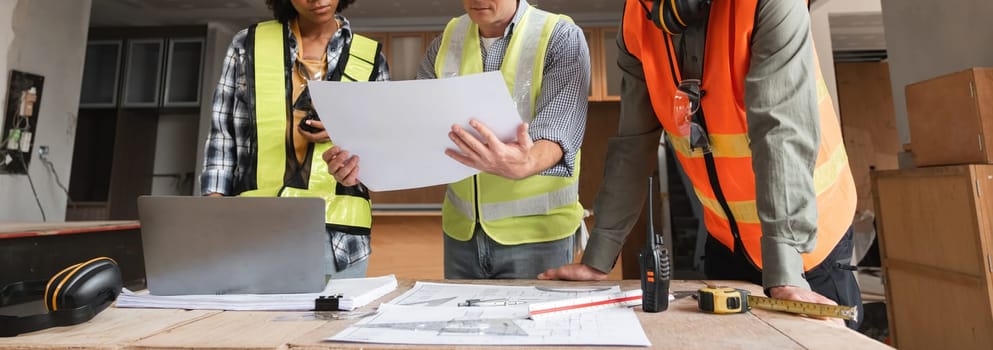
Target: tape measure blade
(801,307)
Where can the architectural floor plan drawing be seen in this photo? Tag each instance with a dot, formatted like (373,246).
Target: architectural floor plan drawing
(469,322)
(494,326)
(451,294)
(429,313)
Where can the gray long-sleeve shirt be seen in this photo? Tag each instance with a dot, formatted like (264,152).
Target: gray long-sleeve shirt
(783,126)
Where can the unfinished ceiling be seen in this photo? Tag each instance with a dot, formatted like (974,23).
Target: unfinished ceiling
(849,32)
(373,13)
(858,37)
(857,32)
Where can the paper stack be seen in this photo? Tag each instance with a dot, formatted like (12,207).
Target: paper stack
(356,292)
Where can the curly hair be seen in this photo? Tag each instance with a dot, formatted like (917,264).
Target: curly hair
(283,11)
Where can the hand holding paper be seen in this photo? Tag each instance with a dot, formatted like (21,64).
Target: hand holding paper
(489,154)
(342,165)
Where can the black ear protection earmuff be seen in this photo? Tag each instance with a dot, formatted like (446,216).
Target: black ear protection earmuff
(673,16)
(72,296)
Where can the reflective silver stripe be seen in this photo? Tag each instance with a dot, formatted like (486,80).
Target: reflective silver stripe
(456,44)
(534,26)
(534,205)
(464,207)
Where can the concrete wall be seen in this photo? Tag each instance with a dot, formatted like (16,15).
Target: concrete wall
(45,37)
(927,38)
(821,29)
(6,37)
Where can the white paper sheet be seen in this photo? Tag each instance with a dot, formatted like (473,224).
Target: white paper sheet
(400,129)
(451,294)
(426,315)
(356,292)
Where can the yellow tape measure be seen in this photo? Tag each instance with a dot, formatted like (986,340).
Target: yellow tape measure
(726,300)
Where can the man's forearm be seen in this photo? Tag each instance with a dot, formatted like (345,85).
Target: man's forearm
(783,126)
(629,162)
(544,155)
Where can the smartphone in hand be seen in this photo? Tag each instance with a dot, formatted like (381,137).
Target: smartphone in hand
(308,128)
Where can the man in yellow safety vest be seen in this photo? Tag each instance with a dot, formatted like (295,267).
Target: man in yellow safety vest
(519,216)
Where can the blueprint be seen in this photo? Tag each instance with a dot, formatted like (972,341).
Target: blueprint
(451,294)
(429,314)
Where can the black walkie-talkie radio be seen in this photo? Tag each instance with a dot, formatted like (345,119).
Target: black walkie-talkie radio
(654,261)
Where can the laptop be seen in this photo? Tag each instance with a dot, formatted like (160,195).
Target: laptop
(232,245)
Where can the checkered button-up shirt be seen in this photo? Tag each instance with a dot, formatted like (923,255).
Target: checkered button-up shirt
(560,110)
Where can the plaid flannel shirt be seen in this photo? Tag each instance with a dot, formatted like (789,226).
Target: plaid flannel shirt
(231,146)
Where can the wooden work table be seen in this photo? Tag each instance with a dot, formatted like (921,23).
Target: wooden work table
(683,326)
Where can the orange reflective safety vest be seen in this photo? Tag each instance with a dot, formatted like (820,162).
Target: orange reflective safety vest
(727,189)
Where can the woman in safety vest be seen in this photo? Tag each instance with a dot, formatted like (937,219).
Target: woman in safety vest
(266,140)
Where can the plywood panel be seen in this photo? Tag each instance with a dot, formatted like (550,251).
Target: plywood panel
(950,119)
(818,334)
(928,216)
(234,330)
(935,242)
(107,330)
(985,217)
(432,195)
(868,122)
(933,311)
(407,246)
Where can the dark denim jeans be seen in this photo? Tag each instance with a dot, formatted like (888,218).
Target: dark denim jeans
(483,258)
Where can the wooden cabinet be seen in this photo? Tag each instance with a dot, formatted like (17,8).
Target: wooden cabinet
(605,82)
(406,54)
(132,76)
(142,73)
(142,69)
(404,51)
(610,76)
(184,65)
(590,34)
(935,231)
(951,118)
(101,72)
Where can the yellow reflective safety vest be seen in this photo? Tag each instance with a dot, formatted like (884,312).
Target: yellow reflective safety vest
(347,209)
(538,208)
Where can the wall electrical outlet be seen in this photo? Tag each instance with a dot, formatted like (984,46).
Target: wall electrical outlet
(43,151)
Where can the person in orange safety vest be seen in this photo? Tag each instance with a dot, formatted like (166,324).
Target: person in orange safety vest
(738,91)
